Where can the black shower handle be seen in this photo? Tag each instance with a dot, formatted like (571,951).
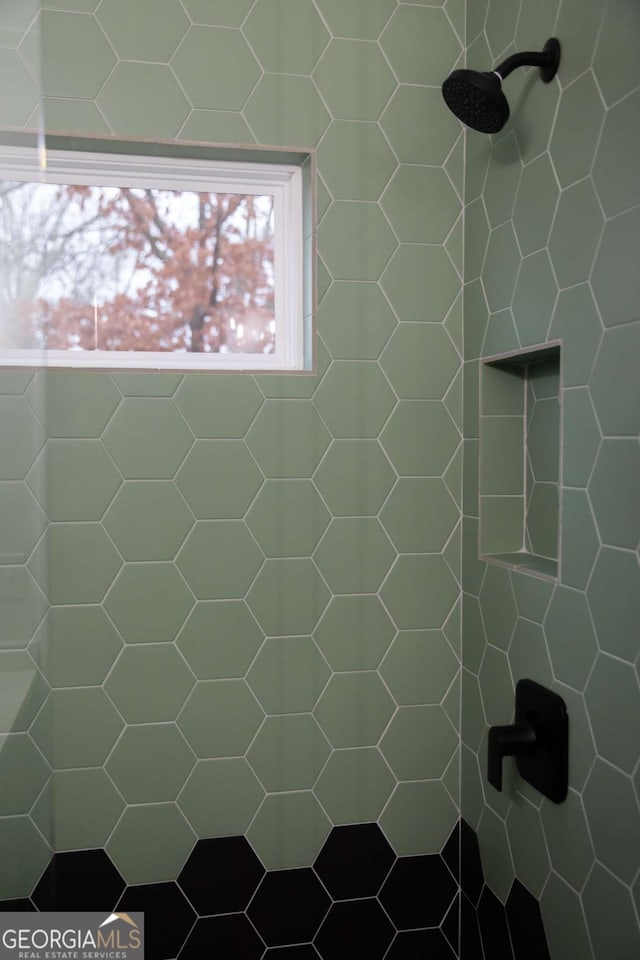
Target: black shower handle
(510,741)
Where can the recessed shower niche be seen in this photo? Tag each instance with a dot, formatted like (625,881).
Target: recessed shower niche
(520,431)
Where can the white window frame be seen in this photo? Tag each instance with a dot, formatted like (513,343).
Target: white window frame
(282,181)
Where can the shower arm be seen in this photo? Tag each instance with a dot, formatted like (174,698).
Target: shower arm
(547,61)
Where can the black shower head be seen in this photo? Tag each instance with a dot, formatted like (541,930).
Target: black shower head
(477,98)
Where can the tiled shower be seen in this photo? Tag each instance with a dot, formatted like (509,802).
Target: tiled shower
(249,654)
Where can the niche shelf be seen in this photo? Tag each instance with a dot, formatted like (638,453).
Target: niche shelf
(520,460)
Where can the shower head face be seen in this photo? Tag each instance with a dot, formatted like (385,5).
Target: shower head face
(476,99)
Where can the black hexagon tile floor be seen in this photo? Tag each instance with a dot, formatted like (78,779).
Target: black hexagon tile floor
(168,916)
(358,899)
(221,875)
(354,861)
(289,906)
(355,926)
(82,880)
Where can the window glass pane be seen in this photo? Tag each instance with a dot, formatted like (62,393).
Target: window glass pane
(123,268)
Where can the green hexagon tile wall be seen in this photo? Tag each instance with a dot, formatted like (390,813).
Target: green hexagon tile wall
(262,577)
(558,178)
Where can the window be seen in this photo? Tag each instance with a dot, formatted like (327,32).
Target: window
(114,260)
